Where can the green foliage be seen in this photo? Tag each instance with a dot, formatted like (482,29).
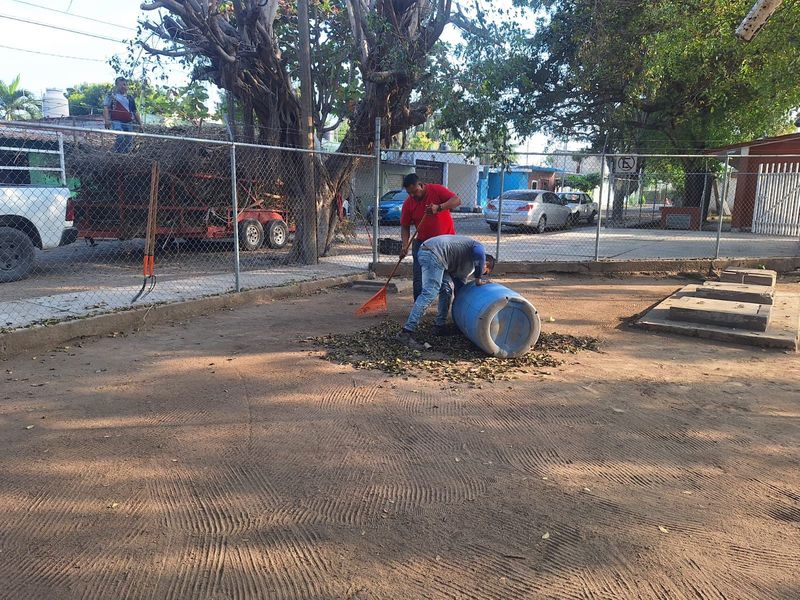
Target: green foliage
(17,103)
(186,103)
(87,98)
(658,76)
(584,183)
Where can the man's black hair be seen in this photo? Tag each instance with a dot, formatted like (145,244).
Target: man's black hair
(410,179)
(120,78)
(490,262)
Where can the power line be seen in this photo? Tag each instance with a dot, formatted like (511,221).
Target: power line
(40,24)
(51,54)
(64,12)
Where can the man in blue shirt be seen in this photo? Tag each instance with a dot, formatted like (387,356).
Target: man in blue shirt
(120,114)
(444,258)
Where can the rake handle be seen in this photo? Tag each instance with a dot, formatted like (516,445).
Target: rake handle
(150,232)
(405,251)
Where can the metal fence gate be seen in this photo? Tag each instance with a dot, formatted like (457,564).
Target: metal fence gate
(777,206)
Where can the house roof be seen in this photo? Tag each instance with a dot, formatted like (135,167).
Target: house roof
(760,142)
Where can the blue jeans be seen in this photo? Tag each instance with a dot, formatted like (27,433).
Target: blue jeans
(123,143)
(434,282)
(445,292)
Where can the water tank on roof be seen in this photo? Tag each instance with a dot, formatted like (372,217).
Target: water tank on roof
(54,104)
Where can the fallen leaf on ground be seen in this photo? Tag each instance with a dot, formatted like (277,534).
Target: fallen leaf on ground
(546,536)
(663,529)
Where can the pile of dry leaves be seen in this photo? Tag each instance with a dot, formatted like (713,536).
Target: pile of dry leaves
(451,358)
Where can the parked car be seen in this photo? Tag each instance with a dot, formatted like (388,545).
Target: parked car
(582,205)
(391,203)
(534,209)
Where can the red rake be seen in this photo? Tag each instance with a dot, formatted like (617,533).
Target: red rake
(377,305)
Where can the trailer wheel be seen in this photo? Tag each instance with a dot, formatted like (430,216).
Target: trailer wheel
(251,235)
(277,234)
(16,254)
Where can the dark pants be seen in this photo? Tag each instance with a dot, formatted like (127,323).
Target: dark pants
(123,143)
(445,292)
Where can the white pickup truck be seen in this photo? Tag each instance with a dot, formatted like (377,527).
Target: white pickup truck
(31,215)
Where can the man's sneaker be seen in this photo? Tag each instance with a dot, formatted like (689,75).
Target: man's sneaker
(404,337)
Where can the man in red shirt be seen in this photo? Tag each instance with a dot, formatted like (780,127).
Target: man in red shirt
(435,203)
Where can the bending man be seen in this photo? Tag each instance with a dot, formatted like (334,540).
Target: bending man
(442,258)
(434,202)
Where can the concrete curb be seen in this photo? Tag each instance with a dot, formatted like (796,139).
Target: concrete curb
(40,338)
(779,264)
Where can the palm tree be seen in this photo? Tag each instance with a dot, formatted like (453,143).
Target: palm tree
(16,103)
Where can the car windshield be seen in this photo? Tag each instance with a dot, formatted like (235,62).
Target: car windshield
(571,197)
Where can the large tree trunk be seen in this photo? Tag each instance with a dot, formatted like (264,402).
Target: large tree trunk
(243,44)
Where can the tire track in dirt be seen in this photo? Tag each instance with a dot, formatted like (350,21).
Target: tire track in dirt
(207,507)
(245,572)
(47,569)
(345,398)
(199,568)
(298,570)
(31,557)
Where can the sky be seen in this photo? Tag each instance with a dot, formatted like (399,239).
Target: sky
(46,57)
(81,58)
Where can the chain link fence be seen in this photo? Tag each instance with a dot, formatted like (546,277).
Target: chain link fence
(80,213)
(573,207)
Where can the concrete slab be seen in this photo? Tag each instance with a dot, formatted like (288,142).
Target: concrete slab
(741,315)
(373,285)
(749,276)
(736,292)
(783,330)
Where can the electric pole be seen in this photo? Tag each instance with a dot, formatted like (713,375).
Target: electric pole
(308,251)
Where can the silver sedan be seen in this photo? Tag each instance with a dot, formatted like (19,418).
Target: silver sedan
(531,209)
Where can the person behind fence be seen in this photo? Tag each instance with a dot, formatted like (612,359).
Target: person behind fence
(444,259)
(435,203)
(120,114)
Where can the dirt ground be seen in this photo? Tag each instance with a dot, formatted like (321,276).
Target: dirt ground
(221,458)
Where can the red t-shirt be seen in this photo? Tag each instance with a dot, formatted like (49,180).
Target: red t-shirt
(439,224)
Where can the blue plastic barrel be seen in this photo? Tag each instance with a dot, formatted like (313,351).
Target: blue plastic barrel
(497,319)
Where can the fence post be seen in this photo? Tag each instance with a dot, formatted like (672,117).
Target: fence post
(500,211)
(235,219)
(600,208)
(722,204)
(703,214)
(61,159)
(377,199)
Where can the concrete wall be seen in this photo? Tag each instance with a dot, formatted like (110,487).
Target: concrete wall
(364,181)
(463,180)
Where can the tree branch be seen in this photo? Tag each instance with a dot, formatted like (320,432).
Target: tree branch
(170,53)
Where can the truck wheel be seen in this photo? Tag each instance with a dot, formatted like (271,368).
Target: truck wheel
(16,255)
(251,235)
(277,234)
(493,226)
